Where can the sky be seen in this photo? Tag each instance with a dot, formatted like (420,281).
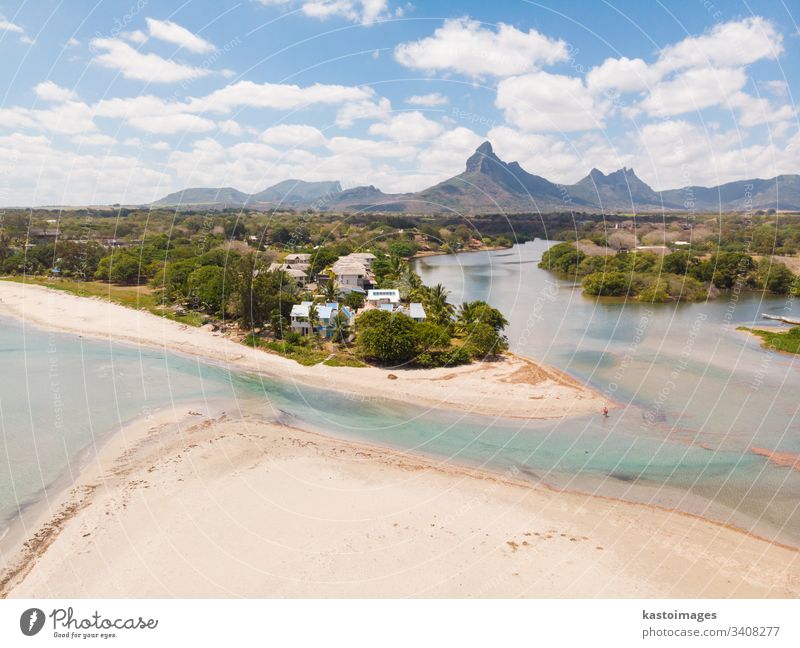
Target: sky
(124,101)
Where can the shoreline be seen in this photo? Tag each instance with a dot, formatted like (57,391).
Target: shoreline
(291,512)
(512,387)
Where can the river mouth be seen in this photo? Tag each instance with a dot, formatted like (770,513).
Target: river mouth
(694,398)
(697,396)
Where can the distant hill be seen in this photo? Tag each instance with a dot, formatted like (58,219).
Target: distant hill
(488,184)
(289,192)
(204,196)
(297,191)
(781,192)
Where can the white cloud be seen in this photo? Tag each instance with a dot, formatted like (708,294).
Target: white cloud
(465,46)
(293,135)
(777,87)
(134,64)
(360,11)
(407,127)
(754,111)
(231,127)
(428,100)
(68,118)
(49,91)
(165,124)
(693,89)
(352,112)
(73,42)
(278,96)
(623,74)
(8,26)
(677,153)
(726,45)
(94,139)
(138,36)
(171,32)
(548,102)
(45,174)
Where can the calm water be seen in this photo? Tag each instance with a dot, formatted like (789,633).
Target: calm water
(696,394)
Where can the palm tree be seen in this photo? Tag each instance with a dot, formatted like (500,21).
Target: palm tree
(396,266)
(313,318)
(340,328)
(331,290)
(439,309)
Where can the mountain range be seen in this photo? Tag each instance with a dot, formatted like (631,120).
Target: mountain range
(490,185)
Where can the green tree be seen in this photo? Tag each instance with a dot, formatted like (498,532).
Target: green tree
(354,300)
(775,277)
(386,337)
(562,257)
(483,341)
(607,284)
(340,328)
(207,288)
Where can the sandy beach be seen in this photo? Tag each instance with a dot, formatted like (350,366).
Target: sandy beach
(203,505)
(199,502)
(513,387)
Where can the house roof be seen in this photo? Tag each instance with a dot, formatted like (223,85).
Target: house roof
(300,310)
(300,256)
(392,294)
(349,266)
(361,255)
(416,311)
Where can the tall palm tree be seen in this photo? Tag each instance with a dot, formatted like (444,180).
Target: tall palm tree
(313,318)
(340,328)
(331,290)
(439,309)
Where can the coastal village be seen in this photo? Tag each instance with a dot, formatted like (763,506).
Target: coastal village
(350,274)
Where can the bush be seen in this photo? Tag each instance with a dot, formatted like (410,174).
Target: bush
(386,337)
(607,284)
(562,257)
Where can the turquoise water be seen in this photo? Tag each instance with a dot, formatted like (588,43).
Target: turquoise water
(61,396)
(696,396)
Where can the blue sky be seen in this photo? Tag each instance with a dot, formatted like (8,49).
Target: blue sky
(124,101)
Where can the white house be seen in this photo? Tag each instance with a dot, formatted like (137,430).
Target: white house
(381,296)
(325,314)
(350,273)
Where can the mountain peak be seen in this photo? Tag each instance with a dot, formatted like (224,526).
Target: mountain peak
(483,156)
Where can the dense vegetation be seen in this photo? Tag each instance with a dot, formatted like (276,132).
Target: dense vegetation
(216,269)
(475,333)
(685,275)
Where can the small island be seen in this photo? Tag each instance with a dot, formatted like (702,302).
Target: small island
(667,274)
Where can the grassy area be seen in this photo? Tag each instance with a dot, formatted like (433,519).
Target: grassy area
(304,355)
(139,297)
(786,341)
(344,361)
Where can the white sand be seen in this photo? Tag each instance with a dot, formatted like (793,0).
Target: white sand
(212,507)
(513,387)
